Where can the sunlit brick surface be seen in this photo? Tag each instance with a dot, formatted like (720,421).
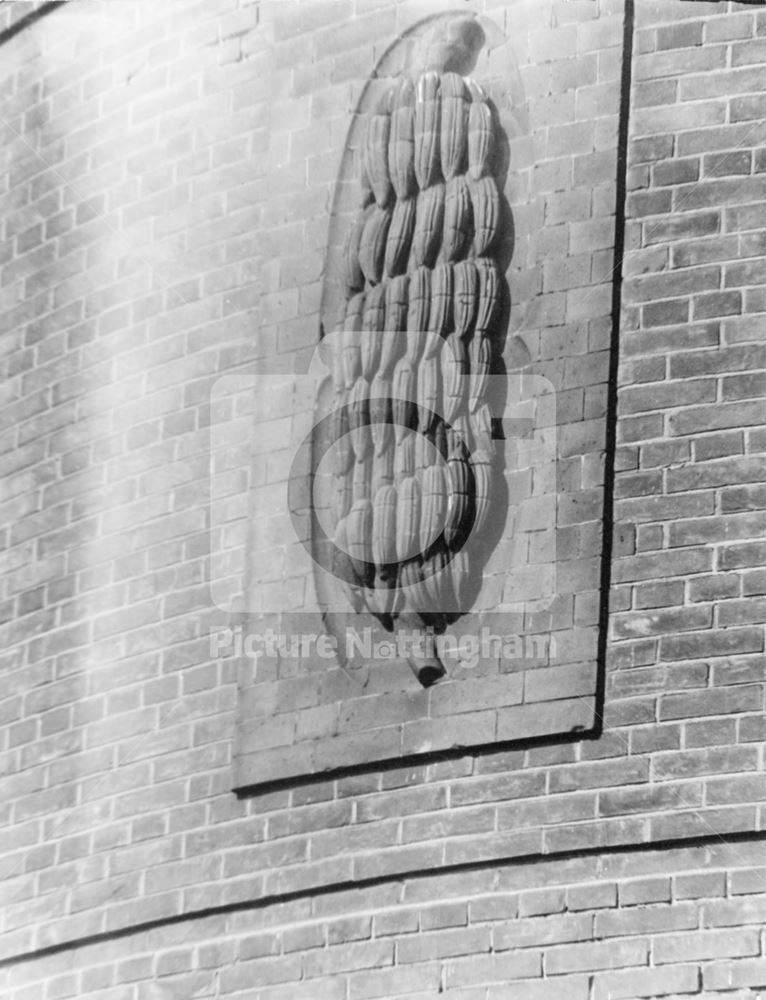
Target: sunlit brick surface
(139,171)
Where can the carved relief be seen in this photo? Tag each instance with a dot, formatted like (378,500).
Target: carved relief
(423,295)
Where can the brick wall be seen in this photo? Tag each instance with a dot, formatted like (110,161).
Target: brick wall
(680,923)
(541,583)
(131,278)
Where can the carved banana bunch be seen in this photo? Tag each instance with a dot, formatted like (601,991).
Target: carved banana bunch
(407,519)
(400,237)
(440,313)
(372,245)
(401,148)
(424,297)
(433,506)
(458,218)
(427,129)
(485,202)
(384,526)
(376,153)
(480,133)
(454,124)
(373,324)
(429,226)
(418,313)
(466,279)
(454,359)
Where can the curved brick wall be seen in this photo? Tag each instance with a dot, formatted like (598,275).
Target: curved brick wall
(146,252)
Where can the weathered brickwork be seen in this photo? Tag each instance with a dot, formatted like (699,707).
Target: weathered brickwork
(133,272)
(687,623)
(682,923)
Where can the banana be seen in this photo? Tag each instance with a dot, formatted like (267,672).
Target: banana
(359,419)
(384,526)
(429,226)
(482,474)
(454,124)
(459,502)
(458,218)
(485,203)
(481,426)
(394,336)
(361,478)
(404,458)
(428,393)
(351,341)
(376,154)
(373,323)
(454,361)
(342,453)
(407,519)
(466,279)
(359,540)
(344,495)
(440,313)
(438,579)
(381,413)
(342,565)
(459,568)
(352,272)
(401,144)
(427,129)
(433,505)
(480,134)
(418,313)
(489,295)
(403,402)
(399,238)
(481,362)
(372,246)
(382,470)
